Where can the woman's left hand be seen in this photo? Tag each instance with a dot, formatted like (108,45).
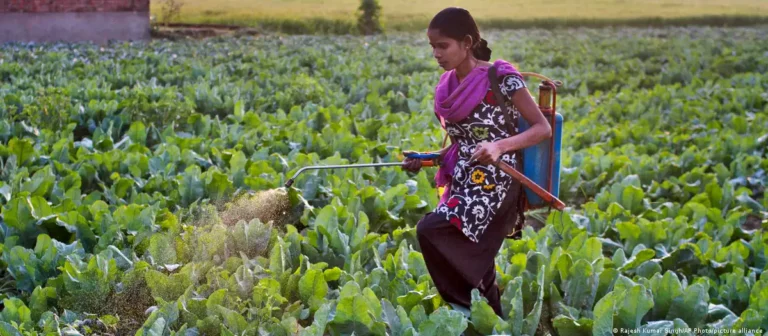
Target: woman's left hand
(487,153)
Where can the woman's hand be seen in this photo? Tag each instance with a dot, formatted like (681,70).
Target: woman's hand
(412,165)
(487,153)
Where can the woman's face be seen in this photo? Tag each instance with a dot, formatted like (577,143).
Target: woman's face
(448,52)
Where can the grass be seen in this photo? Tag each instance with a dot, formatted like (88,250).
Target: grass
(338,16)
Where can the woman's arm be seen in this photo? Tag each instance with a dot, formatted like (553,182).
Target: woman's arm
(490,152)
(539,130)
(443,151)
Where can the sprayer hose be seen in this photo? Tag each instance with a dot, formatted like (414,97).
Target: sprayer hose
(358,165)
(542,77)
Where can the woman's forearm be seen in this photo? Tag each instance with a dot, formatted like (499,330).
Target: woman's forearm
(532,136)
(442,151)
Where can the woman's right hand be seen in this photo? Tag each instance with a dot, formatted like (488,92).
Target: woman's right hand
(412,165)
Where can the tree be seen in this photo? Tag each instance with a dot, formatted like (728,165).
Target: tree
(368,17)
(170,10)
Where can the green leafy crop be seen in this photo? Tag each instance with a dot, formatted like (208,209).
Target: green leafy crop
(117,164)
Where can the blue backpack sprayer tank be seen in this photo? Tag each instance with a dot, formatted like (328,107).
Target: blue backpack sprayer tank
(541,162)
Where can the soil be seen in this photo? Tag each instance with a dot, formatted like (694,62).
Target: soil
(534,223)
(753,222)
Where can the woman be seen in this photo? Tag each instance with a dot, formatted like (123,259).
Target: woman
(481,203)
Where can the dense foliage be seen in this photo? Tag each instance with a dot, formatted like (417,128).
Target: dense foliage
(112,157)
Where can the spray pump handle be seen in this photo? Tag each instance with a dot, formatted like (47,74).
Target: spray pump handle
(427,159)
(423,156)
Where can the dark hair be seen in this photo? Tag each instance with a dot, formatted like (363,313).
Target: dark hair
(457,23)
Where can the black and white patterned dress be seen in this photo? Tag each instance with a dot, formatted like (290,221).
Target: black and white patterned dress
(477,191)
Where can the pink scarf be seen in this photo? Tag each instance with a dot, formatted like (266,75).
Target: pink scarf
(454,101)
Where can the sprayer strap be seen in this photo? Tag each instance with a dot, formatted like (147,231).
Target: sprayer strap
(500,99)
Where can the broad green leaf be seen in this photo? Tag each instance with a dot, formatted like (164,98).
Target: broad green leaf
(655,328)
(632,199)
(567,326)
(637,259)
(353,313)
(138,132)
(482,316)
(442,322)
(512,304)
(682,328)
(721,317)
(665,290)
(332,274)
(637,301)
(19,213)
(648,269)
(604,311)
(319,322)
(39,302)
(606,281)
(418,316)
(416,265)
(410,300)
(7,329)
(16,311)
(41,183)
(313,288)
(390,316)
(684,258)
(23,149)
(691,307)
(5,191)
(581,286)
(531,323)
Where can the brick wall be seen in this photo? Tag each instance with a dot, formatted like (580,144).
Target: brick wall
(44,6)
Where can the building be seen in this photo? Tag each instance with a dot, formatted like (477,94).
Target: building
(73,20)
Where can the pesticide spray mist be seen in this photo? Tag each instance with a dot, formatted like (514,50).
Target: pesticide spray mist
(276,205)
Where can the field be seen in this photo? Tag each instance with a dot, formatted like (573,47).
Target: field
(338,15)
(140,187)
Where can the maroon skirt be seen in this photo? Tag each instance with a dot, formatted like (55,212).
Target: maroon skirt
(458,265)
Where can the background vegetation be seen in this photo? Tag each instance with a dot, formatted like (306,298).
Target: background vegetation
(338,16)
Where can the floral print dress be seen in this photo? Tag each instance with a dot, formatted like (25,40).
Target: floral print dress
(477,191)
